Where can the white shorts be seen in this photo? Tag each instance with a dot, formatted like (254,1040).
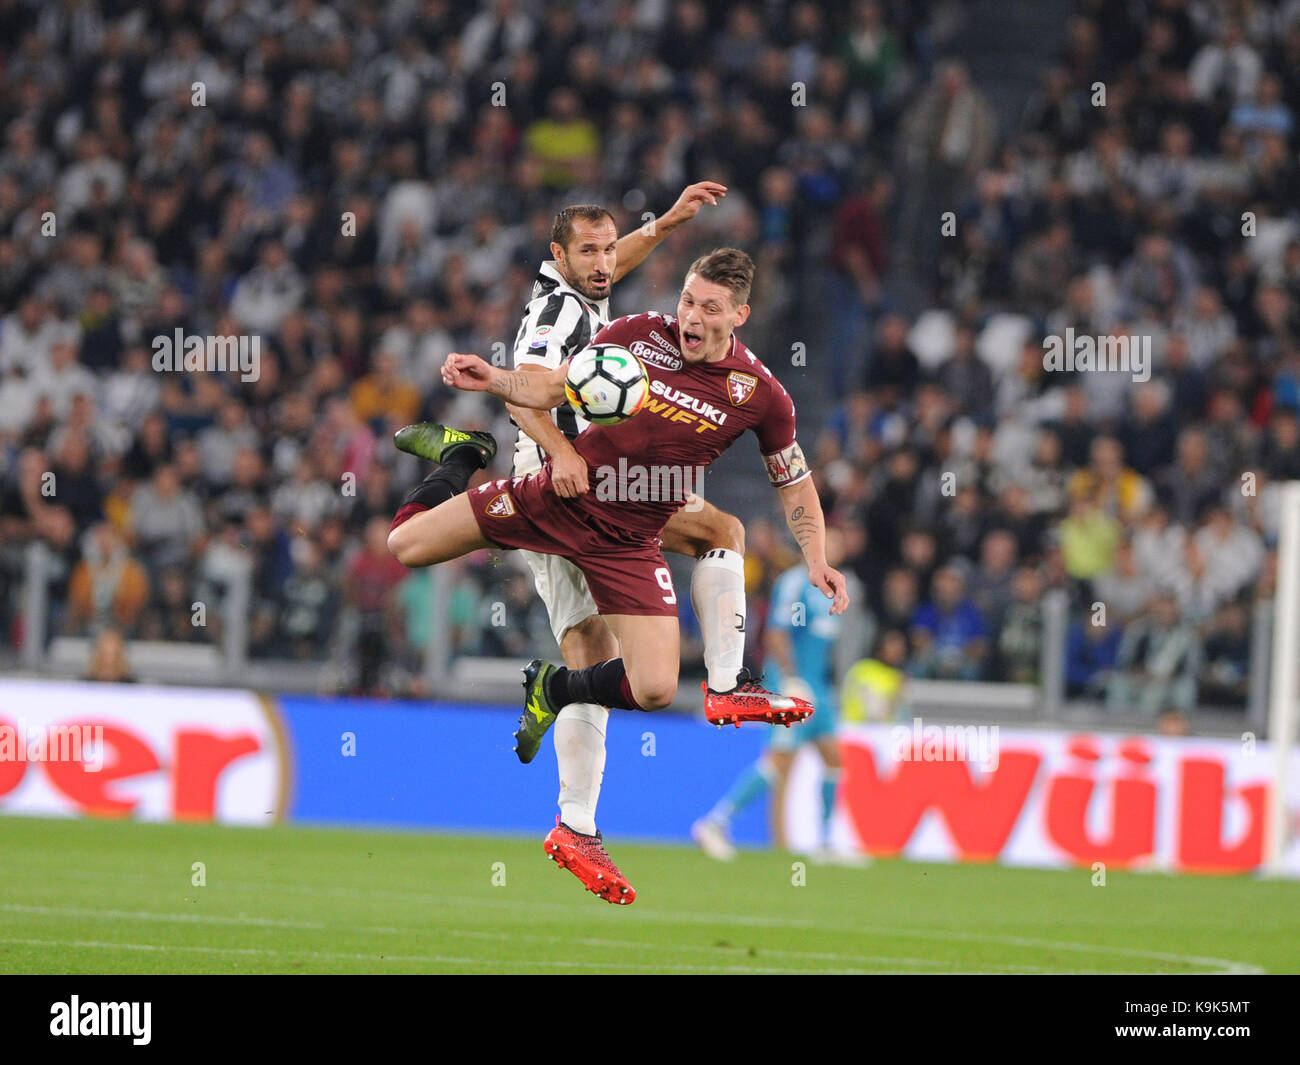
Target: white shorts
(563,589)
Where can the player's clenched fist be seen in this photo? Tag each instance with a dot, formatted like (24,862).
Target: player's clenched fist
(466,372)
(568,474)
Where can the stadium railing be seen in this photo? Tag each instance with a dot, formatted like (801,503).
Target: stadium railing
(445,674)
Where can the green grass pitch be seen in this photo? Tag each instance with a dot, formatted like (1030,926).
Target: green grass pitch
(119,897)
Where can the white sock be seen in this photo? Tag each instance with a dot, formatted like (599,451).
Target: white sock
(718,595)
(580,751)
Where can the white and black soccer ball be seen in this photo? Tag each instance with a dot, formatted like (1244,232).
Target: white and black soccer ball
(606,384)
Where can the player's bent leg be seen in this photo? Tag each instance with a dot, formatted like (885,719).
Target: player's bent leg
(699,527)
(438,443)
(588,642)
(620,580)
(585,644)
(645,680)
(652,654)
(447,531)
(579,728)
(717,540)
(459,456)
(584,640)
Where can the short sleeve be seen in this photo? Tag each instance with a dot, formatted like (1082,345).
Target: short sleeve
(775,430)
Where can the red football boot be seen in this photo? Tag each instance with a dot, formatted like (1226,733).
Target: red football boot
(585,858)
(750,701)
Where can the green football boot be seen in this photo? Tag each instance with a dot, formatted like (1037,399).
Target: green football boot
(539,712)
(429,440)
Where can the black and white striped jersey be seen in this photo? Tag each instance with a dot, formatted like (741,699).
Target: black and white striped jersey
(558,323)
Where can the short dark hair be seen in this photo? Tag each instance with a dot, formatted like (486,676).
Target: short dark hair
(562,227)
(729,267)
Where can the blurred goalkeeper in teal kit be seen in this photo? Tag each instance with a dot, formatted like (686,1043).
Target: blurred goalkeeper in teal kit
(800,642)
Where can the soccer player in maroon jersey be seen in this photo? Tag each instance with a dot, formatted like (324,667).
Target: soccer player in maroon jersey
(569,305)
(706,389)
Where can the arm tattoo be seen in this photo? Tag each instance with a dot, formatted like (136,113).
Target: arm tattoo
(804,526)
(510,384)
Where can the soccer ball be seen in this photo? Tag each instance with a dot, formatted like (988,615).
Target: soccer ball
(606,384)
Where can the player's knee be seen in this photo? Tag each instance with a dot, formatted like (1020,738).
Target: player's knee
(657,694)
(402,547)
(727,532)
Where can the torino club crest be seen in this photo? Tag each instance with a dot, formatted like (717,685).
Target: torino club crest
(740,386)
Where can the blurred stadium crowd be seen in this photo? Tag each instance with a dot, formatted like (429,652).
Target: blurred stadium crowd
(367,187)
(1149,192)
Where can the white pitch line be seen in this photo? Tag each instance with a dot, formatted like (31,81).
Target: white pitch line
(144,915)
(438,959)
(1223,965)
(254,951)
(617,944)
(1227,966)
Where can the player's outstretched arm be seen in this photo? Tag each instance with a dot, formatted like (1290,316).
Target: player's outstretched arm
(803,513)
(635,246)
(541,391)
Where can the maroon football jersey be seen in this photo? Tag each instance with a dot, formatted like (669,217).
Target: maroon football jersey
(641,470)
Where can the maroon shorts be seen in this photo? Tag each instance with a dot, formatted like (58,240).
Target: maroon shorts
(626,574)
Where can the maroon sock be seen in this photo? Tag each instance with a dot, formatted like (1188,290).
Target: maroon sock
(405,512)
(605,684)
(625,690)
(449,479)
